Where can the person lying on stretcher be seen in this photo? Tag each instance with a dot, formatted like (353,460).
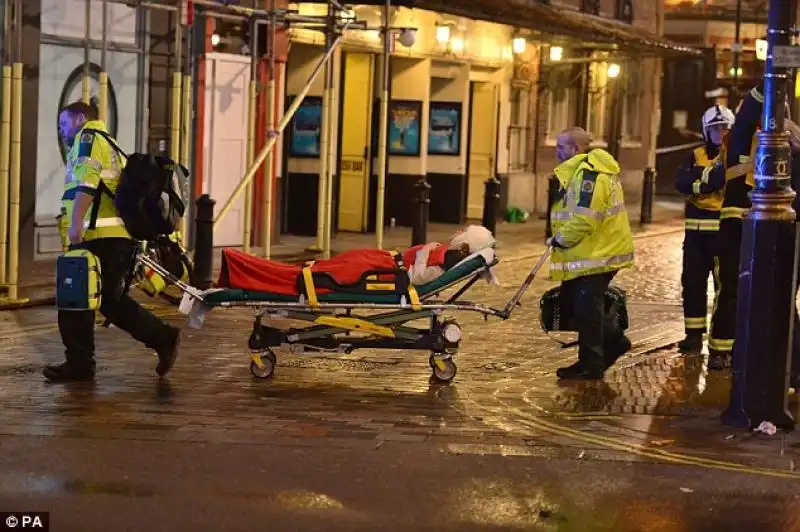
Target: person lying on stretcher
(422,264)
(427,262)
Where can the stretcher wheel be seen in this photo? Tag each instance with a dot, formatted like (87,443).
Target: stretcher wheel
(447,372)
(263,366)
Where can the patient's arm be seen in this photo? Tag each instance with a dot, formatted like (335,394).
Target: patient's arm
(420,272)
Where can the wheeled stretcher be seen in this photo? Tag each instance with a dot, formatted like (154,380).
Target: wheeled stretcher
(373,313)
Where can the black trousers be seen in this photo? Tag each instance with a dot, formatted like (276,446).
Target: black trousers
(723,321)
(77,327)
(596,333)
(698,264)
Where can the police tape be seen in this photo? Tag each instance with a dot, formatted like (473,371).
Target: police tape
(680,147)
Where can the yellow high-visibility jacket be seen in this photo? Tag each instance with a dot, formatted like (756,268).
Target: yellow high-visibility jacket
(92,163)
(591,231)
(702,207)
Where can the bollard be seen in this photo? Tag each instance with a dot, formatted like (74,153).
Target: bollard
(490,196)
(648,191)
(553,186)
(419,230)
(204,242)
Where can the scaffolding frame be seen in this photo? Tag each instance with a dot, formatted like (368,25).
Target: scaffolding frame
(11,151)
(333,25)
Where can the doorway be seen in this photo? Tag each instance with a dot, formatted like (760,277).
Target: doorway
(356,118)
(482,144)
(225,144)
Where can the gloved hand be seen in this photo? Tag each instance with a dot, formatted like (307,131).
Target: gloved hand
(553,242)
(713,179)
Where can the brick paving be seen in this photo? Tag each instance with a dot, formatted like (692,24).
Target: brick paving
(211,422)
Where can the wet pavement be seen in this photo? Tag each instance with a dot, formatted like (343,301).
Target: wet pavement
(366,442)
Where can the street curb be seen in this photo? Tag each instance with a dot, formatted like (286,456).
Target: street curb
(29,303)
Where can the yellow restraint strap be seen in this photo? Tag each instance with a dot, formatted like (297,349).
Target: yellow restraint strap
(414,297)
(308,279)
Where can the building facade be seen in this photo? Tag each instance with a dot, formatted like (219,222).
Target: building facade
(728,67)
(480,93)
(573,87)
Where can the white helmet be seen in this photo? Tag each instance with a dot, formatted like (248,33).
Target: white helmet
(715,115)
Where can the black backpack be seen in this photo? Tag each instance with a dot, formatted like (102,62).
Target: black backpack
(150,193)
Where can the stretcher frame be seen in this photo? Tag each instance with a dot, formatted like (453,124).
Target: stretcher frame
(334,328)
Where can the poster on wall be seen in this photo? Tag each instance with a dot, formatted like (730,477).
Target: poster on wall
(444,131)
(306,128)
(405,117)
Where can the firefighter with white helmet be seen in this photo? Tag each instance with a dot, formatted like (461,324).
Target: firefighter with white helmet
(703,204)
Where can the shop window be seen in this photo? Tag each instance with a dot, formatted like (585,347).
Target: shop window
(597,102)
(519,129)
(632,101)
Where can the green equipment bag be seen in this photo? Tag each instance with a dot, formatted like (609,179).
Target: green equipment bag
(78,282)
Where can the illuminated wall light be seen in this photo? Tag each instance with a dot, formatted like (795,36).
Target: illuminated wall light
(613,70)
(556,53)
(735,72)
(457,45)
(215,39)
(442,34)
(761,49)
(519,44)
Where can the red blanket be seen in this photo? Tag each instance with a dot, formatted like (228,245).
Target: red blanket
(247,272)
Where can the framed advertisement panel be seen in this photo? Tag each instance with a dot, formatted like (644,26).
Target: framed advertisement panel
(444,129)
(405,127)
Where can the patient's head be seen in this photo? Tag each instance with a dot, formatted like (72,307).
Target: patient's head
(474,238)
(454,256)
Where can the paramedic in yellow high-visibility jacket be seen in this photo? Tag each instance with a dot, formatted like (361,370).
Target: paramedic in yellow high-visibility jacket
(92,222)
(591,242)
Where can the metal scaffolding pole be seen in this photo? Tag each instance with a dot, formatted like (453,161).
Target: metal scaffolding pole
(5,139)
(324,140)
(177,76)
(281,126)
(186,122)
(103,78)
(251,135)
(269,173)
(383,126)
(87,35)
(16,157)
(239,13)
(330,155)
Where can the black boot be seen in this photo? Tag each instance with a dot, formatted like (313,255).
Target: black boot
(580,371)
(614,350)
(692,344)
(168,352)
(67,372)
(719,360)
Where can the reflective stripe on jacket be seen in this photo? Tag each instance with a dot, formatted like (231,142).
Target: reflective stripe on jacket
(92,164)
(589,218)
